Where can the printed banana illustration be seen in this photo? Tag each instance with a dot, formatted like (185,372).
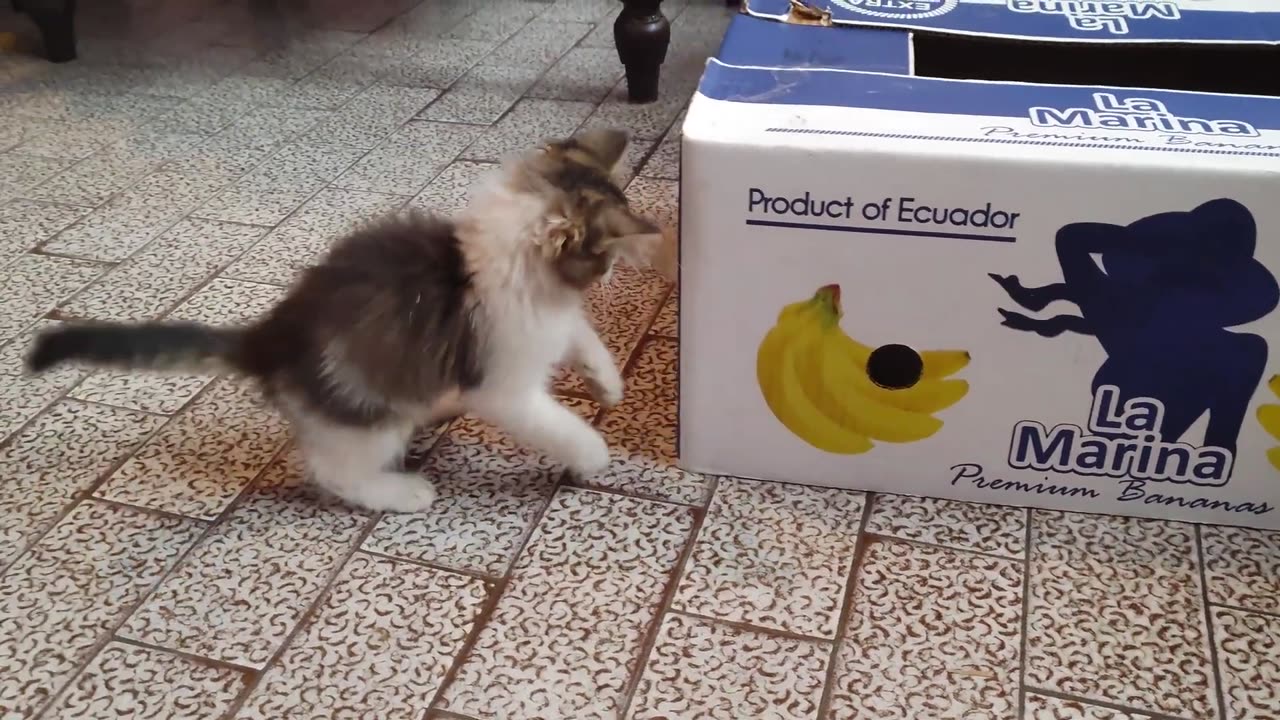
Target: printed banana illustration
(1269,418)
(814,379)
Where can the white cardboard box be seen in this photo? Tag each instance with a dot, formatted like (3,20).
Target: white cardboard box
(1107,257)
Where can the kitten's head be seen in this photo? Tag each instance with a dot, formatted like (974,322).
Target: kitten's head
(589,225)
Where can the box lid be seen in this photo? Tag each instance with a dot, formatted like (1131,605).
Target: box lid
(1111,21)
(767,43)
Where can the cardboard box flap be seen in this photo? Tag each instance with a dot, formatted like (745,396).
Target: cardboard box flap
(1113,21)
(764,43)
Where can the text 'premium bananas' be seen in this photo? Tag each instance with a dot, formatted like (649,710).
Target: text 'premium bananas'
(814,379)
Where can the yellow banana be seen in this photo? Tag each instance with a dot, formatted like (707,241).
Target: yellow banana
(1269,418)
(938,364)
(776,373)
(813,377)
(839,380)
(926,396)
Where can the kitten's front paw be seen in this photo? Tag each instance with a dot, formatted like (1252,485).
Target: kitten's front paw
(399,493)
(604,385)
(607,392)
(592,457)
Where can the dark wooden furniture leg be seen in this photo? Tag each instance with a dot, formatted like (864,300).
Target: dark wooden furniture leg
(56,21)
(642,34)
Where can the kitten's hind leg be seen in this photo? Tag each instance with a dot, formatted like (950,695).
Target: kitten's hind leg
(355,463)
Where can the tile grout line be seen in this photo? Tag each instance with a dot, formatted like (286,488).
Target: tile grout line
(1028,516)
(496,591)
(1247,610)
(306,617)
(846,610)
(427,565)
(743,626)
(883,537)
(83,494)
(649,639)
(190,657)
(1206,617)
(1105,704)
(120,620)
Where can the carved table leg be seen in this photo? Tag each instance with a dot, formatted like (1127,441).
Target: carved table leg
(642,34)
(56,21)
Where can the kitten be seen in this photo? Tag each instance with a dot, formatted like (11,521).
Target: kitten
(416,319)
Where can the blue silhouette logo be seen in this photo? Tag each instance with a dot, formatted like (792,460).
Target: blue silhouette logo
(1159,299)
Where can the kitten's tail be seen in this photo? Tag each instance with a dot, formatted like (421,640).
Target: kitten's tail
(159,346)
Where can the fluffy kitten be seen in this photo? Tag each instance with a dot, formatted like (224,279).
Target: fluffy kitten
(415,319)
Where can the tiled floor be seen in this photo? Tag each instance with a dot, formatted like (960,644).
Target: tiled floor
(160,558)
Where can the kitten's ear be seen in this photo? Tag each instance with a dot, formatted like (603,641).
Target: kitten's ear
(606,145)
(556,234)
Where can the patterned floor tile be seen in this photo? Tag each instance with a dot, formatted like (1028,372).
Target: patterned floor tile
(966,526)
(490,494)
(584,74)
(228,155)
(620,312)
(1113,602)
(72,588)
(302,239)
(59,455)
(529,123)
(127,681)
(199,116)
(1043,707)
(135,217)
(496,19)
(159,393)
(601,38)
(164,272)
(381,640)
(932,633)
(92,181)
(438,66)
(19,173)
(483,94)
(276,125)
(228,302)
(665,163)
(35,284)
(700,670)
(273,190)
(1242,567)
(587,11)
(658,200)
(538,44)
(204,457)
(773,556)
(1248,647)
(567,632)
(409,158)
(245,587)
(25,224)
(449,193)
(649,122)
(23,396)
(372,115)
(667,323)
(642,432)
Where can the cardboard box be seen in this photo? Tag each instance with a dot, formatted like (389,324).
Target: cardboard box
(1052,295)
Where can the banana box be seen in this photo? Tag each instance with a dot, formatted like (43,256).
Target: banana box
(1052,294)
